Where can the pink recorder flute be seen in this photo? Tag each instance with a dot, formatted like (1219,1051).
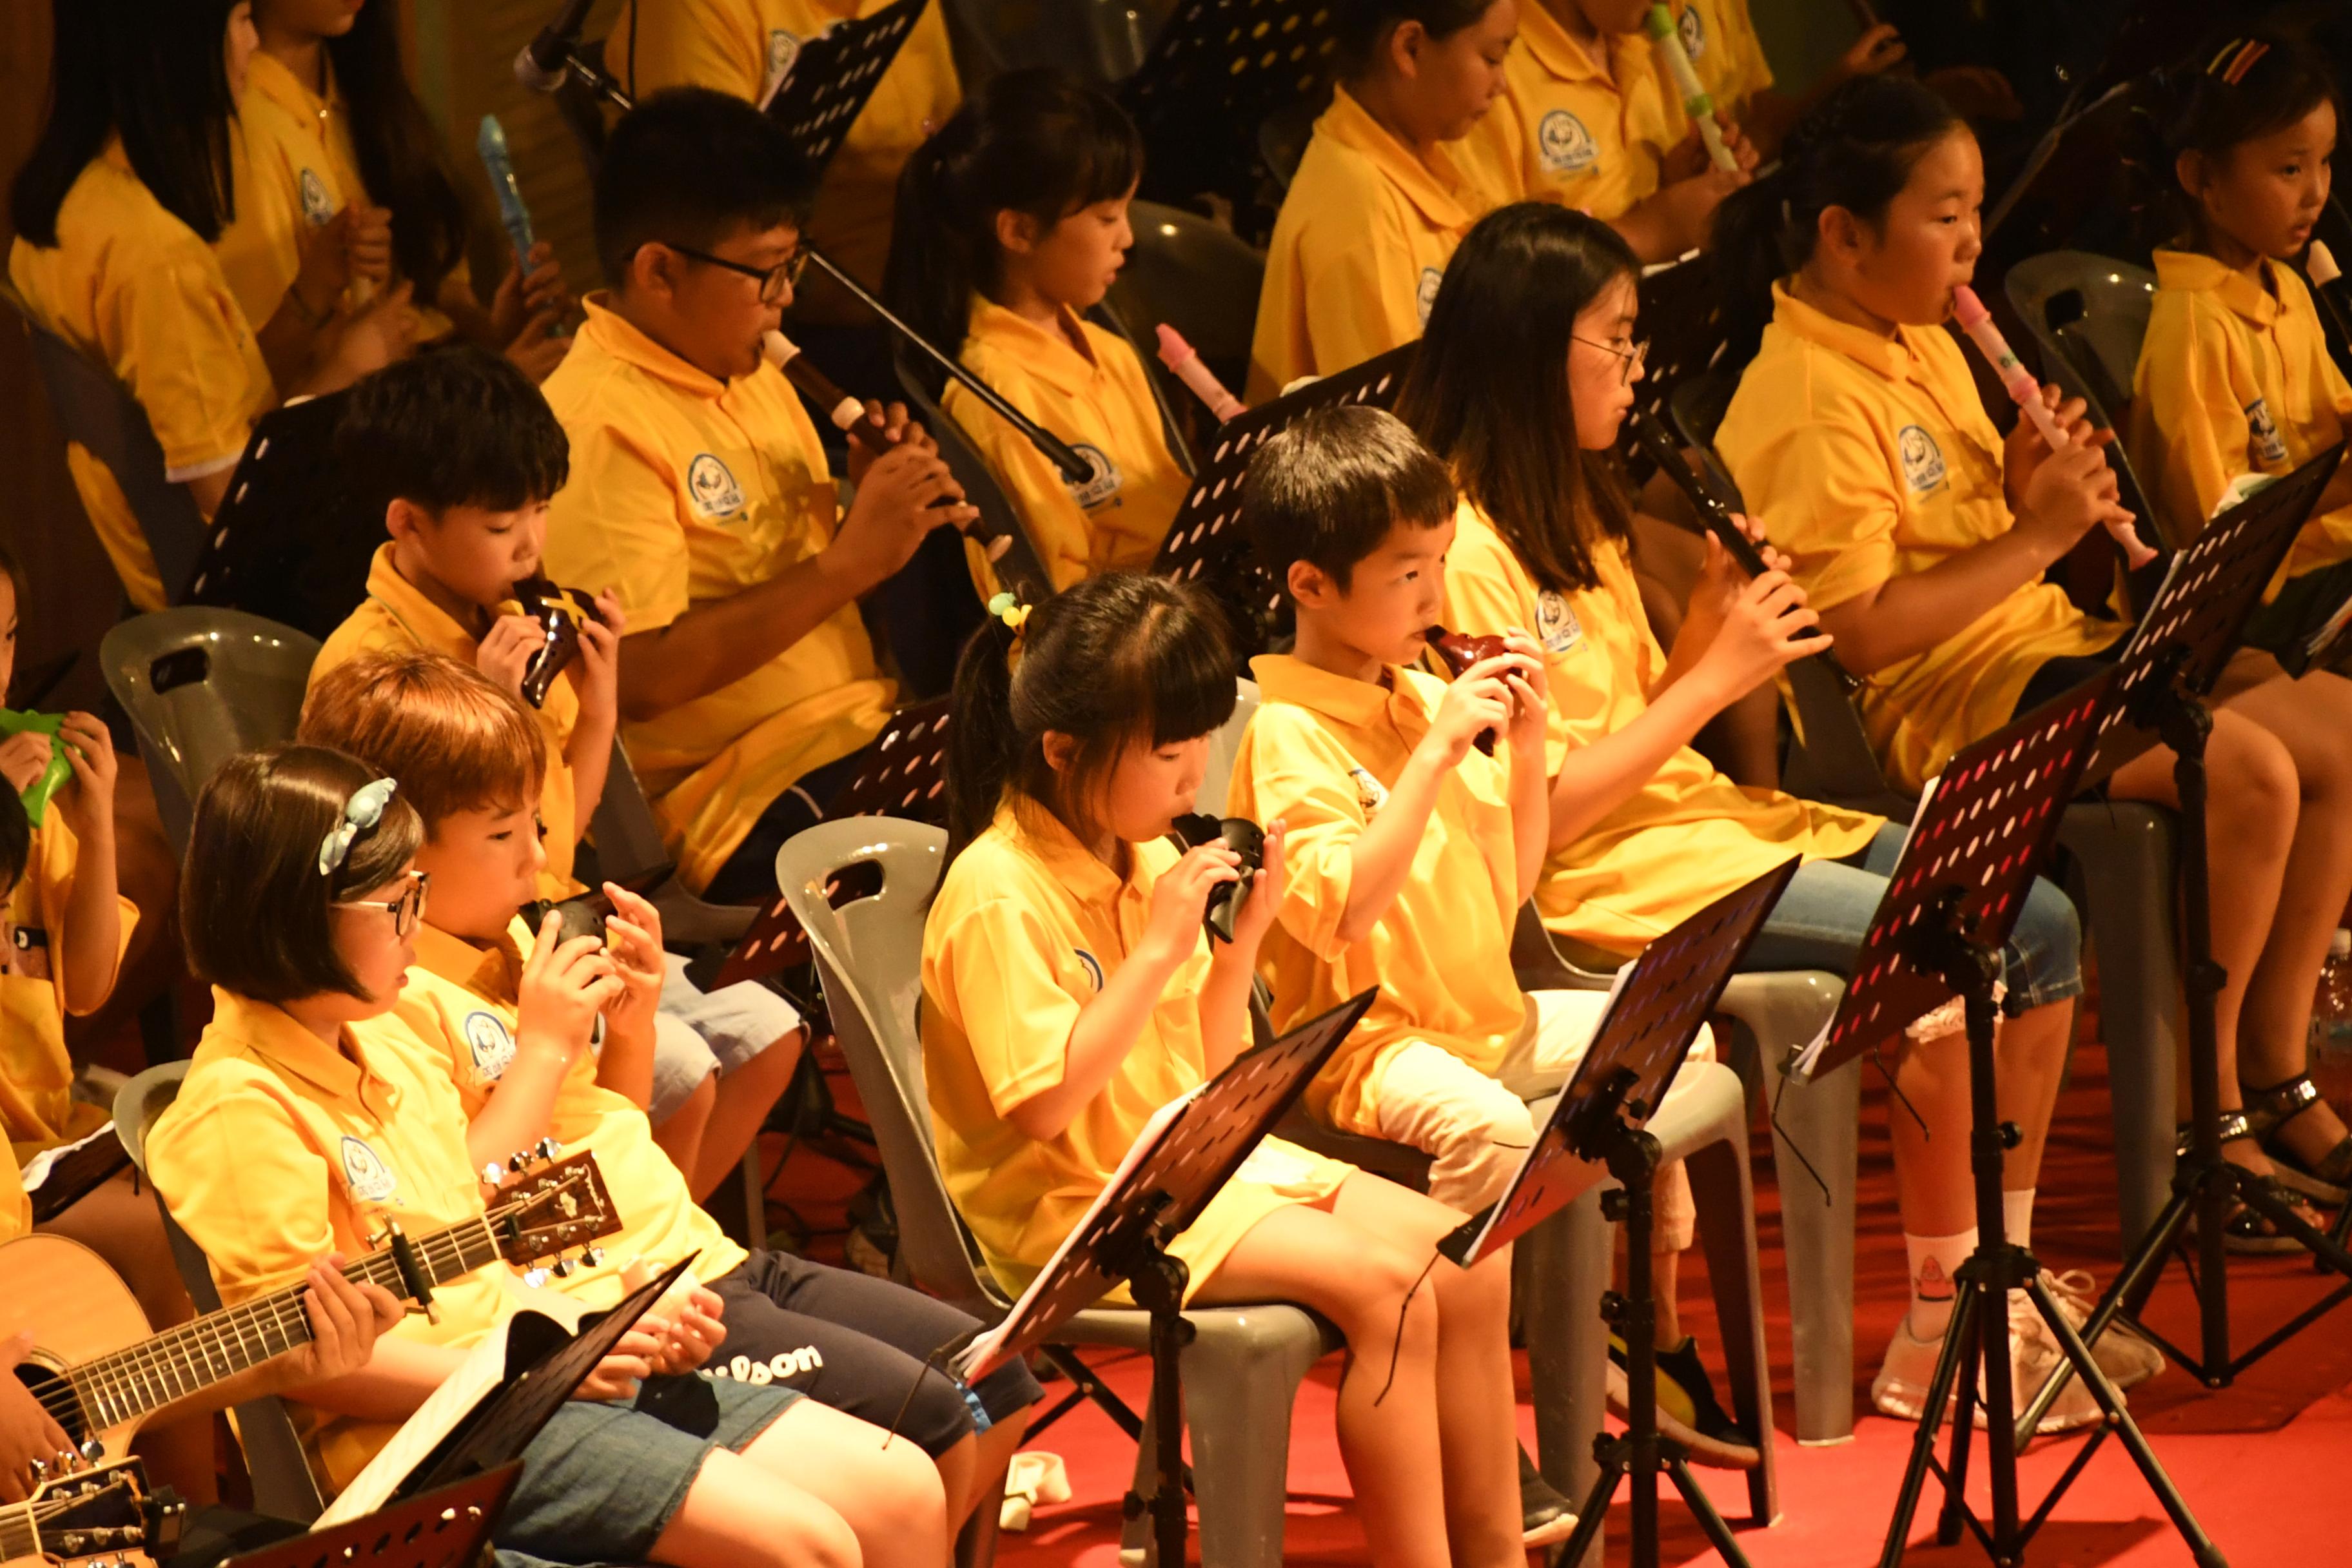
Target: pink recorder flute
(1977,322)
(847,414)
(1186,366)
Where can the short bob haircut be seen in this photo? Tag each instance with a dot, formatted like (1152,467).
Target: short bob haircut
(1329,489)
(256,914)
(456,740)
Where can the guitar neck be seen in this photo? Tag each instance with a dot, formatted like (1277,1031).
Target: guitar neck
(129,1383)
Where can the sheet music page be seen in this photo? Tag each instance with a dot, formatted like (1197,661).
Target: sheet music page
(977,1358)
(37,1168)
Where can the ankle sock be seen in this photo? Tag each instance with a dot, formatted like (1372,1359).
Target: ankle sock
(1934,1265)
(2017,1215)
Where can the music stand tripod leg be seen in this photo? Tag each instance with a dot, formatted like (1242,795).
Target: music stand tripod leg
(1157,1281)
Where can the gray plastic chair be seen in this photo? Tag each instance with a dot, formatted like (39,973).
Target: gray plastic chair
(1243,1369)
(1200,278)
(201,686)
(2089,313)
(627,840)
(283,1486)
(97,411)
(1224,749)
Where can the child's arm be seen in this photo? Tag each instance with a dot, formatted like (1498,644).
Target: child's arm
(562,990)
(595,677)
(1233,965)
(1109,1025)
(625,1064)
(93,914)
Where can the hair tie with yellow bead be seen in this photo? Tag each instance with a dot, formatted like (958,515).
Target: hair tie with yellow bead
(1005,608)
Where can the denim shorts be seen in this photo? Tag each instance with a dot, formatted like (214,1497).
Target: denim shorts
(1824,914)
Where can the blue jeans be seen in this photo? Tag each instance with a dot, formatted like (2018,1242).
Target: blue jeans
(1825,912)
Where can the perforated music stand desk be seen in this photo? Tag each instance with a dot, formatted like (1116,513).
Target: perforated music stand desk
(1206,544)
(447,1527)
(292,540)
(1681,314)
(904,775)
(1217,68)
(830,80)
(1654,1012)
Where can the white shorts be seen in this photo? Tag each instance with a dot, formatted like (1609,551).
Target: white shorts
(699,1033)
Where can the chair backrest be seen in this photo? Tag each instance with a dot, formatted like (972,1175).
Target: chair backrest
(98,411)
(1021,563)
(283,1486)
(869,957)
(625,840)
(201,686)
(1832,758)
(2089,313)
(1099,41)
(1697,408)
(1200,278)
(1225,749)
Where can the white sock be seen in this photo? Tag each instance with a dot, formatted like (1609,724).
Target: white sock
(1935,1266)
(2017,1215)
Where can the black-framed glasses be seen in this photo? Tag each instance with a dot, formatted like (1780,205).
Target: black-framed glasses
(775,281)
(406,911)
(1629,359)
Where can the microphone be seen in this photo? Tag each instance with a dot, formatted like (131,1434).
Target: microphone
(546,60)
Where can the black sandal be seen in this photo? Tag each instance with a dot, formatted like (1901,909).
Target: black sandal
(2328,1179)
(2248,1231)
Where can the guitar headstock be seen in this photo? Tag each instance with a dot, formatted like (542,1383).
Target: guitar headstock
(550,1207)
(82,1512)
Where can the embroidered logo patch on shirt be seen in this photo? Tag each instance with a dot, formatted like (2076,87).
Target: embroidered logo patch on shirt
(715,492)
(1923,460)
(1563,144)
(1103,479)
(1693,28)
(365,1175)
(316,206)
(492,1046)
(1371,794)
(2262,434)
(1425,294)
(1092,965)
(1557,627)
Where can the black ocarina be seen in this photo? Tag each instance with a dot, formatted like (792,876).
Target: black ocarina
(1244,839)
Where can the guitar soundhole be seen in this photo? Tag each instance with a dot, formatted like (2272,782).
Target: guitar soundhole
(52,1390)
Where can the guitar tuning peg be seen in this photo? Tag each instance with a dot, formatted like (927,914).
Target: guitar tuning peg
(549,1148)
(492,1173)
(565,1268)
(595,1257)
(519,1161)
(534,1278)
(92,1450)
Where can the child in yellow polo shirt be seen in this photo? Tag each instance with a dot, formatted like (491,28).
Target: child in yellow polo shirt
(1729,59)
(1384,191)
(511,1013)
(699,494)
(308,1117)
(1858,437)
(1522,384)
(114,211)
(1012,222)
(1583,121)
(468,452)
(1069,990)
(2234,376)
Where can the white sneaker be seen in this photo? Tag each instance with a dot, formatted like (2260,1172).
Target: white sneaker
(2126,1358)
(1909,1367)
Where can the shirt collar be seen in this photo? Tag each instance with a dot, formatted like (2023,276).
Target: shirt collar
(615,334)
(2191,272)
(273,79)
(1073,864)
(492,971)
(273,1034)
(1047,354)
(1285,678)
(1560,53)
(1890,357)
(431,626)
(1350,124)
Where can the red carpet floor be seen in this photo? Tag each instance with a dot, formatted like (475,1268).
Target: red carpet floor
(2266,1464)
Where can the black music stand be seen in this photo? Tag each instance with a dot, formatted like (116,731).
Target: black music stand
(293,540)
(829,82)
(1681,312)
(1171,1175)
(1654,1013)
(450,1524)
(2179,650)
(1206,542)
(1984,827)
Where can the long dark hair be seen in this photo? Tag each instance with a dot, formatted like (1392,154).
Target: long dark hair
(400,156)
(2232,91)
(153,72)
(1856,150)
(1035,141)
(1489,391)
(1123,659)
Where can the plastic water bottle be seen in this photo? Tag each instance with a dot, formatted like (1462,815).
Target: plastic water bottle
(2331,1024)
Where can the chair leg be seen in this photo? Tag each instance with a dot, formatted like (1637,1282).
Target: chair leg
(1817,1131)
(1240,1383)
(1567,1262)
(1726,1225)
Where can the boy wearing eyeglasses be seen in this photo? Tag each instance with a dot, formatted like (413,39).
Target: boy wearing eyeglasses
(700,492)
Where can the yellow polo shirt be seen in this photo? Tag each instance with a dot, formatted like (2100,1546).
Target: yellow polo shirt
(1689,834)
(134,289)
(685,489)
(1100,402)
(396,615)
(1868,458)
(15,1208)
(1362,238)
(300,170)
(745,46)
(2235,378)
(1566,129)
(1321,753)
(1726,55)
(280,1147)
(37,1109)
(1027,929)
(465,1003)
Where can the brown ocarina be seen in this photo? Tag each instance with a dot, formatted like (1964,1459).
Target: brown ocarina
(1460,650)
(558,613)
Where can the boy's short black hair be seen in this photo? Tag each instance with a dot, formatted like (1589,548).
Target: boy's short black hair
(690,166)
(1329,489)
(453,426)
(16,840)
